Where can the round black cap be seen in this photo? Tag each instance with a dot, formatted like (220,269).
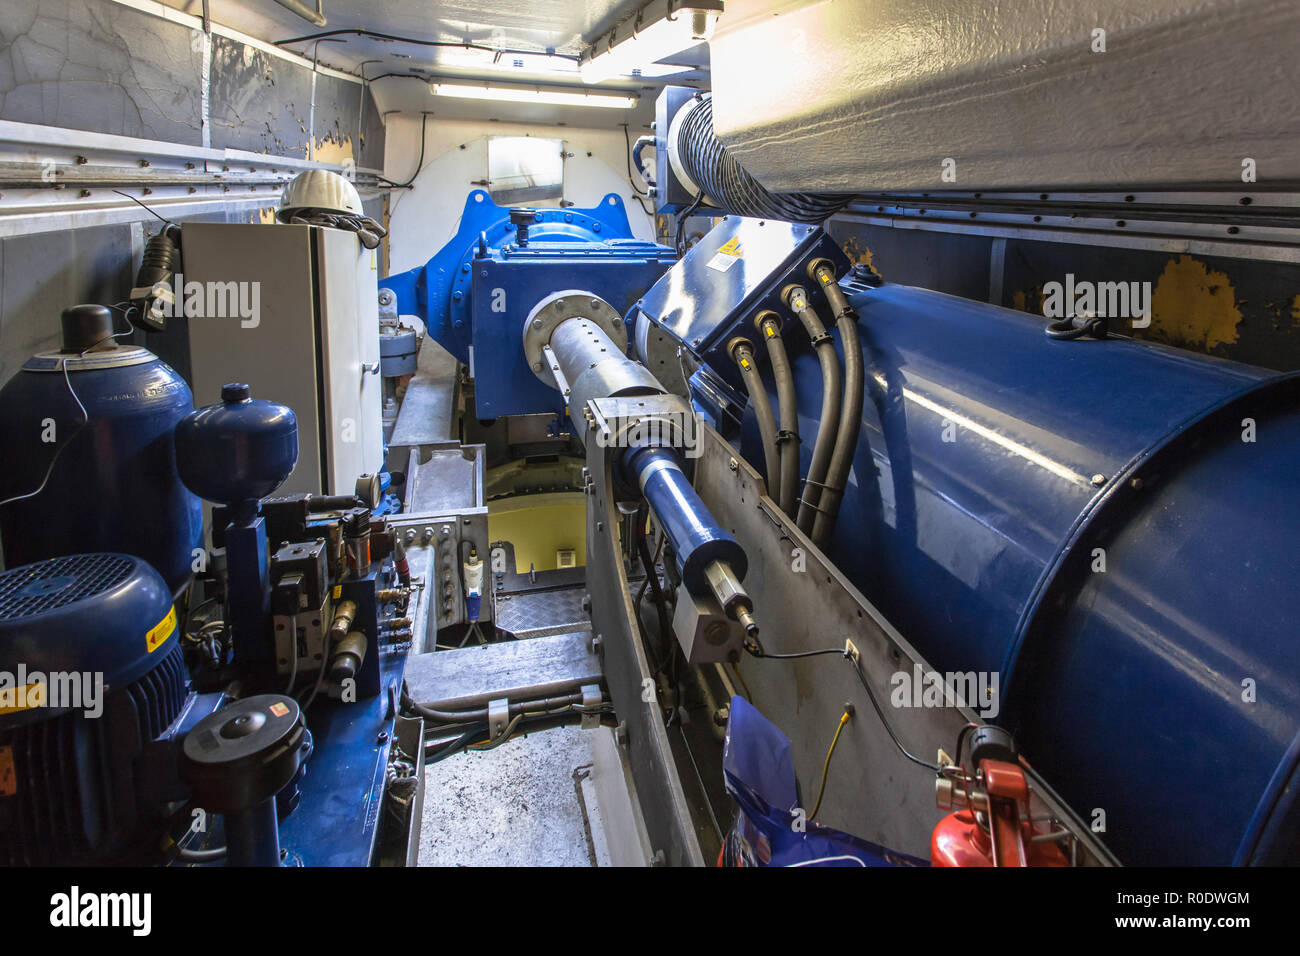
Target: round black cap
(244,753)
(85,326)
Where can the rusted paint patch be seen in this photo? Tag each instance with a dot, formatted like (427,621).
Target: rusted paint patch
(1028,300)
(1193,306)
(860,255)
(258,102)
(335,148)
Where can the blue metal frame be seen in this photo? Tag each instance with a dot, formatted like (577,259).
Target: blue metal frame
(337,821)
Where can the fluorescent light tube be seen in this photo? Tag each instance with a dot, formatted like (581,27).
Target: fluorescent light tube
(503,62)
(659,30)
(550,97)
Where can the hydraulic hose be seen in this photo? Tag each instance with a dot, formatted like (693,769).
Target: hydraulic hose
(742,353)
(797,301)
(850,424)
(481,713)
(787,436)
(726,183)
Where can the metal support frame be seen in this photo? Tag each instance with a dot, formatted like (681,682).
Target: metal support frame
(1248,223)
(805,603)
(668,821)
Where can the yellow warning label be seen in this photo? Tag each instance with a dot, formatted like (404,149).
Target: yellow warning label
(744,363)
(159,633)
(278,709)
(8,779)
(731,247)
(338,591)
(14,699)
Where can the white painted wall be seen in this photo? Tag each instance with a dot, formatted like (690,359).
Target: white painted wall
(423,218)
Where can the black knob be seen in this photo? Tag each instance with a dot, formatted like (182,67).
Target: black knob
(522,219)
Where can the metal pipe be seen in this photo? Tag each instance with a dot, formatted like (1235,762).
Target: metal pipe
(253,835)
(850,426)
(796,299)
(514,708)
(315,17)
(695,536)
(589,365)
(787,437)
(741,351)
(593,366)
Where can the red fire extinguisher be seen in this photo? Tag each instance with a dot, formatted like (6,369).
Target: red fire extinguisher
(1000,794)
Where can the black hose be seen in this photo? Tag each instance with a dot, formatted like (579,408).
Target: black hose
(787,436)
(797,299)
(656,592)
(850,425)
(711,166)
(742,353)
(481,713)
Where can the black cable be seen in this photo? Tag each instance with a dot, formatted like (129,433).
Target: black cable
(637,194)
(85,416)
(479,714)
(144,207)
(850,423)
(669,656)
(742,354)
(460,743)
(760,653)
(712,167)
(681,222)
(397,38)
(871,695)
(828,422)
(627,155)
(788,409)
(419,164)
(469,738)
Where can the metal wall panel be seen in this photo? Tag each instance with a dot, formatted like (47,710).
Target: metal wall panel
(104,67)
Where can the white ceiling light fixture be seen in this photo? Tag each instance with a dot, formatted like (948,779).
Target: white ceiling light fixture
(658,30)
(506,61)
(537,95)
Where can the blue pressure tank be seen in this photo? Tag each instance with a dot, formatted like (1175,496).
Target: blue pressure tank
(239,450)
(90,463)
(1109,526)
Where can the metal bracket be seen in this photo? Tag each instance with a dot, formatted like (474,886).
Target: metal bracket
(706,634)
(592,699)
(498,718)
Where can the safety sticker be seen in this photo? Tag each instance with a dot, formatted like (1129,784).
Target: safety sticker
(159,633)
(278,709)
(722,262)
